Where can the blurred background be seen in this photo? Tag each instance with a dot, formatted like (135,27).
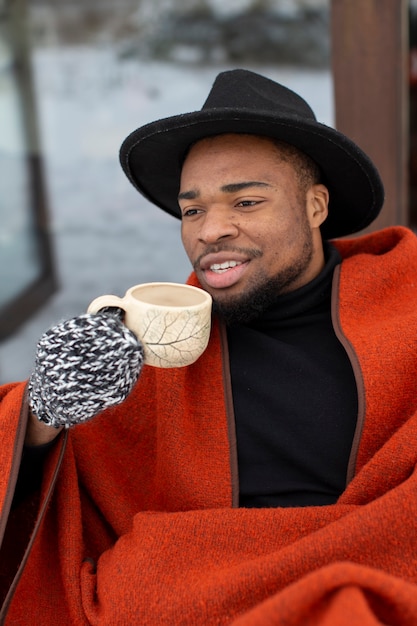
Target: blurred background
(75,79)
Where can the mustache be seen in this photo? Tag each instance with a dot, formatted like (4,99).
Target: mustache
(251,253)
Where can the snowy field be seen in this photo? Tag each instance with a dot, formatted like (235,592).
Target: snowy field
(106,237)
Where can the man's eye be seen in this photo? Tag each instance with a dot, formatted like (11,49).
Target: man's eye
(244,203)
(190,212)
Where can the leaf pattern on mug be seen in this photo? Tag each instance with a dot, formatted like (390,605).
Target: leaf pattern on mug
(165,335)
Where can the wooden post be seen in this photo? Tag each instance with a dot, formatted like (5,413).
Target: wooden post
(371,89)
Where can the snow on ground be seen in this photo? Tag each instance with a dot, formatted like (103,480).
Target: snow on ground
(106,237)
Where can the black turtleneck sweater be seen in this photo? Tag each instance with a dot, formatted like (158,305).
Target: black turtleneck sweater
(295,400)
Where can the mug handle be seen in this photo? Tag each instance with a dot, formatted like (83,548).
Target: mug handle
(103,301)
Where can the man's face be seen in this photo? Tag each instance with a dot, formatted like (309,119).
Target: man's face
(248,229)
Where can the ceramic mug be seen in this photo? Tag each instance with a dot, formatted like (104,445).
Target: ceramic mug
(171,320)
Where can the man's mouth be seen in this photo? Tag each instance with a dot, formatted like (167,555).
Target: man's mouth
(220,268)
(223,269)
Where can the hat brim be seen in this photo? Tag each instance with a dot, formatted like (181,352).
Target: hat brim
(152,158)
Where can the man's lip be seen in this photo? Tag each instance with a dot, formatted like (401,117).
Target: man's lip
(221,257)
(225,279)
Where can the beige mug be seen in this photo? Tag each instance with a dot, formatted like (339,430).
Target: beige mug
(171,320)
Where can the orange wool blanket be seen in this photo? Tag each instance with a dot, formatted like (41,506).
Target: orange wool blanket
(140,527)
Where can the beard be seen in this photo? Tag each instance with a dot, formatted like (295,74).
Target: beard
(264,290)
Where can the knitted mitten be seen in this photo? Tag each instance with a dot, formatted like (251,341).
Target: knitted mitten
(83,366)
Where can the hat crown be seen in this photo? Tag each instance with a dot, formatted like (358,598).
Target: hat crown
(245,90)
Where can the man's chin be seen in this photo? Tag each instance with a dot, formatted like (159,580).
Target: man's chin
(243,308)
(246,307)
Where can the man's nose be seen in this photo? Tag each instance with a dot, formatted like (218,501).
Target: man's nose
(218,223)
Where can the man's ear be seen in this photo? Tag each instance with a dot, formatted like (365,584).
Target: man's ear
(317,204)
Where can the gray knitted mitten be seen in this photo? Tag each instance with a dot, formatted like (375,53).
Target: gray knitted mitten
(83,366)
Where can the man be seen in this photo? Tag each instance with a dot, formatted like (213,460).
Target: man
(272,481)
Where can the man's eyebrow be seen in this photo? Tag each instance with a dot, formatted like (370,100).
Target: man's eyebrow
(233,187)
(188,195)
(229,188)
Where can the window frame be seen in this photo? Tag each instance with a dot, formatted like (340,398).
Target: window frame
(33,295)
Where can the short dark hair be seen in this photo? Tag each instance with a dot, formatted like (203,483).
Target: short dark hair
(307,170)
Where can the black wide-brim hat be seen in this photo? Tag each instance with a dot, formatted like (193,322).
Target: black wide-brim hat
(241,101)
